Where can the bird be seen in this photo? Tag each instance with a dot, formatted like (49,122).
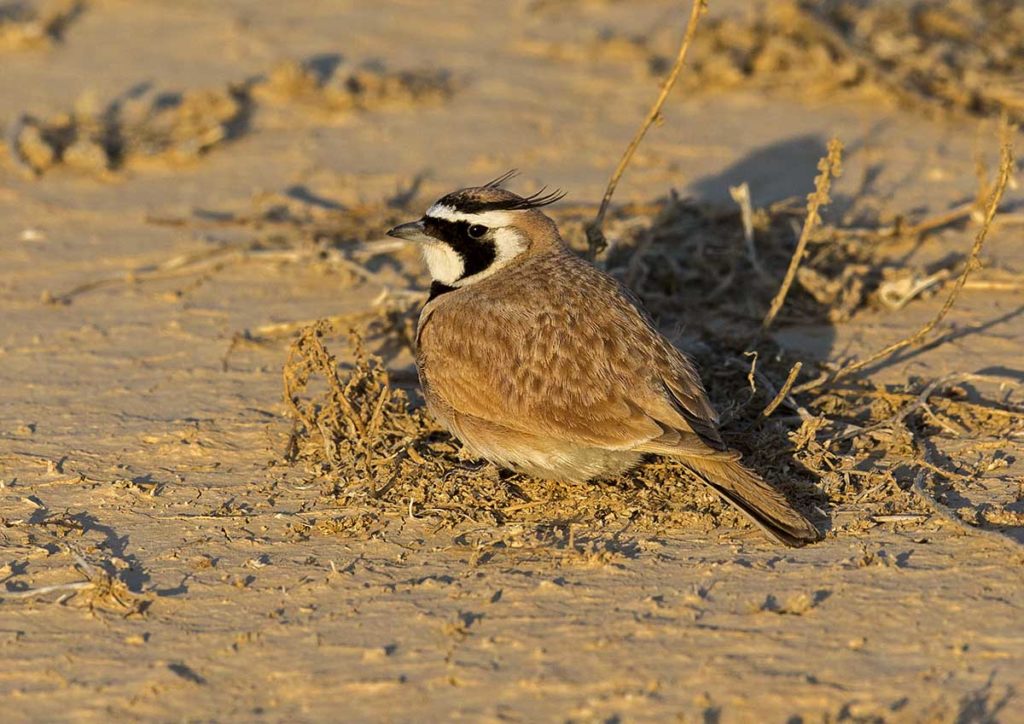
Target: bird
(542,364)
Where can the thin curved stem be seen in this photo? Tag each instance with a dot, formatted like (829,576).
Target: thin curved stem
(596,241)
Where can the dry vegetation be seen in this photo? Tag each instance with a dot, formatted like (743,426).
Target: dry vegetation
(62,535)
(169,128)
(963,57)
(326,86)
(27,26)
(96,138)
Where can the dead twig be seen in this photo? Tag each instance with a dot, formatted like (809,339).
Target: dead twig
(596,241)
(932,223)
(178,266)
(829,167)
(802,412)
(897,293)
(994,285)
(780,396)
(102,585)
(43,590)
(741,195)
(899,518)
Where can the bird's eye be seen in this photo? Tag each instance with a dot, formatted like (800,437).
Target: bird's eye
(476,231)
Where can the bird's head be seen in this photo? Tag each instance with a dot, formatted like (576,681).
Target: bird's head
(470,234)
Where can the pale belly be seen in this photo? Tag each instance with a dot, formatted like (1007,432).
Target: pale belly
(539,456)
(576,465)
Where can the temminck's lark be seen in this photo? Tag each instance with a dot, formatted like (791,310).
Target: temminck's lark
(541,363)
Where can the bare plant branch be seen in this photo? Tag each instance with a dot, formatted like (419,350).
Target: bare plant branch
(780,396)
(596,241)
(829,167)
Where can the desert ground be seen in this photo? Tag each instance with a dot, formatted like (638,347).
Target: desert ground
(213,507)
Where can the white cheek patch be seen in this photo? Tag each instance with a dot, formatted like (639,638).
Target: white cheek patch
(490,219)
(444,263)
(508,244)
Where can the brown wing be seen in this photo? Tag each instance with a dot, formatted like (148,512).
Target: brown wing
(560,349)
(697,435)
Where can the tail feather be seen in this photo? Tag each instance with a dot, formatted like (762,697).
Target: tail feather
(763,504)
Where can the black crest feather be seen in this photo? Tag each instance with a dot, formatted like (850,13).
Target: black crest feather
(533,201)
(502,180)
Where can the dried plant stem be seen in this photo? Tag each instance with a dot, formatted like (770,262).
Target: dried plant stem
(741,195)
(1005,169)
(801,411)
(43,590)
(963,211)
(903,518)
(780,396)
(211,260)
(829,167)
(596,241)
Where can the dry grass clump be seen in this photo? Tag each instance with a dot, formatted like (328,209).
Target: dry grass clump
(727,262)
(100,586)
(964,56)
(148,127)
(361,425)
(332,89)
(165,128)
(99,592)
(40,25)
(692,252)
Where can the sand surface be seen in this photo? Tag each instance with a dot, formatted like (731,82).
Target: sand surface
(140,462)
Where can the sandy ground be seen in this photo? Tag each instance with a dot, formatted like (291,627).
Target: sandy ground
(131,452)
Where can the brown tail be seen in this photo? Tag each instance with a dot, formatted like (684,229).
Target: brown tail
(762,503)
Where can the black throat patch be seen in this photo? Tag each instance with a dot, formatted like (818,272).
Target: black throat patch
(476,254)
(437,289)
